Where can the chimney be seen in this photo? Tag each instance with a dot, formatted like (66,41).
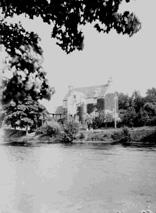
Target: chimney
(70,87)
(110,81)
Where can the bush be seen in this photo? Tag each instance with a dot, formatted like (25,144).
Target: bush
(71,128)
(51,128)
(117,135)
(151,121)
(82,136)
(100,104)
(62,120)
(80,113)
(129,117)
(96,123)
(90,108)
(99,121)
(126,136)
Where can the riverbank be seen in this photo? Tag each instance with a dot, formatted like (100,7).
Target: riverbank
(143,135)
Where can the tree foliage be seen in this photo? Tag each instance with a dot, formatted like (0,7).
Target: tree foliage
(51,128)
(80,113)
(70,128)
(129,117)
(25,114)
(13,36)
(137,110)
(138,101)
(100,104)
(98,121)
(151,95)
(90,108)
(28,76)
(123,101)
(68,17)
(102,120)
(27,85)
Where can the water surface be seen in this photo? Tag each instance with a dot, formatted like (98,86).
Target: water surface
(59,178)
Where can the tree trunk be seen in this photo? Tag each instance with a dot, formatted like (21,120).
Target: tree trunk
(27,130)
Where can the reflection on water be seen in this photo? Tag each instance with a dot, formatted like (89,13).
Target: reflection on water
(77,178)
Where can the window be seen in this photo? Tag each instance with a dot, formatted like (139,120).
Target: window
(97,91)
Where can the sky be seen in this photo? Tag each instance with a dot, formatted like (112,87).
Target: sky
(130,61)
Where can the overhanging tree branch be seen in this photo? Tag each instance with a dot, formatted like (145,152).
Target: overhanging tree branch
(69,15)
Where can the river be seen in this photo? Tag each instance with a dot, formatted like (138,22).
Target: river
(57,178)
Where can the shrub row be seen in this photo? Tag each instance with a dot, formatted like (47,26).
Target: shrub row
(52,128)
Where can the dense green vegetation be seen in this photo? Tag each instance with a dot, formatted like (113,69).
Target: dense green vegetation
(26,113)
(70,128)
(22,91)
(137,111)
(50,128)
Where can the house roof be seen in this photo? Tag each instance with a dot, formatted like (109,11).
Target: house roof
(59,110)
(90,92)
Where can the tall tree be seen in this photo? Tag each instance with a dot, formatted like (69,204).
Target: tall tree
(21,92)
(28,76)
(28,114)
(151,95)
(24,61)
(123,101)
(138,101)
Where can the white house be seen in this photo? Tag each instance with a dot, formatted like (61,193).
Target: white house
(89,95)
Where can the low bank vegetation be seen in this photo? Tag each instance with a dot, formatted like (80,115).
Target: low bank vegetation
(50,128)
(70,129)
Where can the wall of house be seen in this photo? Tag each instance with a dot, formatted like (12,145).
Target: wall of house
(91,101)
(65,104)
(71,105)
(73,101)
(111,103)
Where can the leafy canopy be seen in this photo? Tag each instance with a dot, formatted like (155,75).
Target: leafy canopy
(68,16)
(25,113)
(137,110)
(28,76)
